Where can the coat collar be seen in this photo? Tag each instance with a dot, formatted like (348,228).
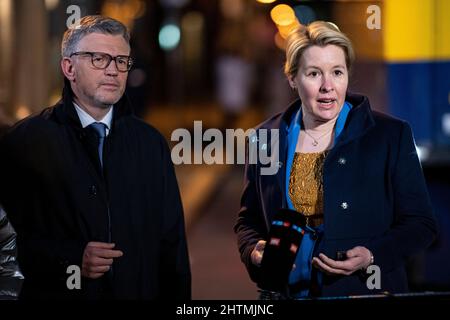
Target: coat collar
(359,119)
(66,113)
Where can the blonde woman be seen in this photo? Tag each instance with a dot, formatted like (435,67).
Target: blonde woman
(353,173)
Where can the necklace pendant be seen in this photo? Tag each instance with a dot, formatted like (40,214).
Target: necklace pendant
(315,143)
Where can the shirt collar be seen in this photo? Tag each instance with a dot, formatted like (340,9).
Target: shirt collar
(86,119)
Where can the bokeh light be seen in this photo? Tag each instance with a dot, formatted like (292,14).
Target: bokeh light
(283,14)
(169,37)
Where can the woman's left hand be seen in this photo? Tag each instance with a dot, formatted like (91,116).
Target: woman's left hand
(357,258)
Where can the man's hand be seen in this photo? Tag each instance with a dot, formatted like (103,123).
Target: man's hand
(257,252)
(98,258)
(357,258)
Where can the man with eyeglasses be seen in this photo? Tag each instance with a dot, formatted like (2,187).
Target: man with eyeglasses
(91,188)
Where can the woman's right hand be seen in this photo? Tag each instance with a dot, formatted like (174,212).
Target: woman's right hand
(257,252)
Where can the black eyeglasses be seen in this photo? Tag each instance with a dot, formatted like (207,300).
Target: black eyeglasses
(102,60)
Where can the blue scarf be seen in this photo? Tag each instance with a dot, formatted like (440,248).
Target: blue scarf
(302,272)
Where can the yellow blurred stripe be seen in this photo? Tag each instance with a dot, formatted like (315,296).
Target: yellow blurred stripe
(408,29)
(443,30)
(416,30)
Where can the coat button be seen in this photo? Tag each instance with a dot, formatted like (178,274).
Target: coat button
(279,164)
(93,190)
(344,205)
(342,161)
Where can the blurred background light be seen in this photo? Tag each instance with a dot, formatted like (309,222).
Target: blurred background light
(22,112)
(423,153)
(233,9)
(124,11)
(169,37)
(286,29)
(282,14)
(51,4)
(192,27)
(285,19)
(446,122)
(266,1)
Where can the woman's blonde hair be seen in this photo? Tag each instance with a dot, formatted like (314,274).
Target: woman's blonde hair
(317,33)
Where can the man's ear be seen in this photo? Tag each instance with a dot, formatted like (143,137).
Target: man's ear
(68,68)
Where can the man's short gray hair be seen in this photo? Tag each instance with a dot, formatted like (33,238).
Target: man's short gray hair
(91,24)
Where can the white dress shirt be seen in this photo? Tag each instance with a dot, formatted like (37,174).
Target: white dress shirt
(86,119)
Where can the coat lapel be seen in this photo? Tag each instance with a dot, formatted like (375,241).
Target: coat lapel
(282,123)
(359,121)
(281,173)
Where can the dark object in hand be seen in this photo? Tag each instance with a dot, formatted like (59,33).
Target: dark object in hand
(285,236)
(341,255)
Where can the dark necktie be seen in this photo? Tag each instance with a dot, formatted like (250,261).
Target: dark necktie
(100,129)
